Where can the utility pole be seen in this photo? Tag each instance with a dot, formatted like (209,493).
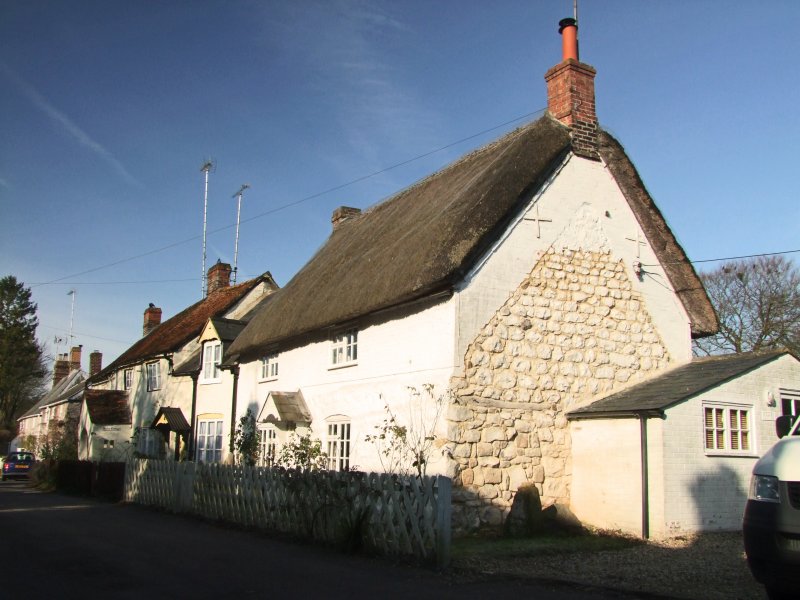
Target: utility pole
(207,166)
(238,219)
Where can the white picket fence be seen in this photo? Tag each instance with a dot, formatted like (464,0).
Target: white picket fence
(386,513)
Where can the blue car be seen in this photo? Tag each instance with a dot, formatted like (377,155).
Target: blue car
(18,464)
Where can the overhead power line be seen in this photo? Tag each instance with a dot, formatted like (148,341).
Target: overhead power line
(291,204)
(707,260)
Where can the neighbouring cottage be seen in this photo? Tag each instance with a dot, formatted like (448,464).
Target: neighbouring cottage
(527,279)
(52,421)
(145,401)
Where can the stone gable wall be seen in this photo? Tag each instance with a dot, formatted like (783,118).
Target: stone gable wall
(572,332)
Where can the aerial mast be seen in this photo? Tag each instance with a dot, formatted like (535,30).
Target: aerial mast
(71,315)
(207,166)
(238,219)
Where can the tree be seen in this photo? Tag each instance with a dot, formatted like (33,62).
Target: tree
(22,369)
(758,305)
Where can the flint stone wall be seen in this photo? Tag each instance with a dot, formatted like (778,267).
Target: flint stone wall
(574,331)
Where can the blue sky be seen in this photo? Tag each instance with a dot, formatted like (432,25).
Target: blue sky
(109,108)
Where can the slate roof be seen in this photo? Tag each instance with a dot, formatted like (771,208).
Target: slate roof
(676,385)
(424,240)
(174,418)
(68,387)
(172,334)
(108,407)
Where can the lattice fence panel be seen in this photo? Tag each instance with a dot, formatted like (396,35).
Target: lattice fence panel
(387,513)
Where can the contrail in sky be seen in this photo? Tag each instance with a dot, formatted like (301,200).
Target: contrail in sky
(67,125)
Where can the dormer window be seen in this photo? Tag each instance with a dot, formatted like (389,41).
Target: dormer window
(344,350)
(212,355)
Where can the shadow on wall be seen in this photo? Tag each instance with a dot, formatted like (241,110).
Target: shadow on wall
(719,498)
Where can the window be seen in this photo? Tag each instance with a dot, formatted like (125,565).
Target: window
(727,429)
(790,402)
(345,348)
(151,443)
(269,366)
(267,439)
(212,354)
(127,379)
(339,446)
(209,441)
(108,444)
(153,376)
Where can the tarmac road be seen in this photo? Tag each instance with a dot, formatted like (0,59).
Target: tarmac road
(56,546)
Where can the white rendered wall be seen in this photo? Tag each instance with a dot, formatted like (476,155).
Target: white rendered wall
(585,209)
(606,474)
(707,491)
(407,351)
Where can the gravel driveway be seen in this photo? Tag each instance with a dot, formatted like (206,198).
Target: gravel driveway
(704,567)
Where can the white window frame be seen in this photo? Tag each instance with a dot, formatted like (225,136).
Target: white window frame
(338,443)
(267,445)
(153,371)
(269,367)
(789,399)
(212,357)
(731,434)
(127,379)
(344,348)
(208,447)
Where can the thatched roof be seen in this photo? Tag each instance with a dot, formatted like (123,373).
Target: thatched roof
(679,270)
(676,385)
(424,239)
(171,335)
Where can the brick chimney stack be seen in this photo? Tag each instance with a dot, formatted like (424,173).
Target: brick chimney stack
(219,277)
(60,368)
(152,319)
(75,358)
(95,362)
(341,214)
(570,93)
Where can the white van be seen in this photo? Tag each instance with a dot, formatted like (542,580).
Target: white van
(771,523)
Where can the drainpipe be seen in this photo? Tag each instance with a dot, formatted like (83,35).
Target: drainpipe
(645,487)
(235,373)
(190,453)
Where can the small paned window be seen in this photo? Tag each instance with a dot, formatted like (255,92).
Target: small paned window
(269,366)
(212,355)
(338,446)
(153,376)
(267,442)
(727,429)
(127,379)
(344,349)
(209,441)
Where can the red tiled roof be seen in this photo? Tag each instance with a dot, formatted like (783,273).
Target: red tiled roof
(108,407)
(173,333)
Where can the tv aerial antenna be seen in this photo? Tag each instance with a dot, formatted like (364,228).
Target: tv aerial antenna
(238,196)
(208,166)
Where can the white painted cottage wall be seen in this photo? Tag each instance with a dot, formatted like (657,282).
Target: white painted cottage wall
(606,461)
(576,201)
(408,351)
(708,491)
